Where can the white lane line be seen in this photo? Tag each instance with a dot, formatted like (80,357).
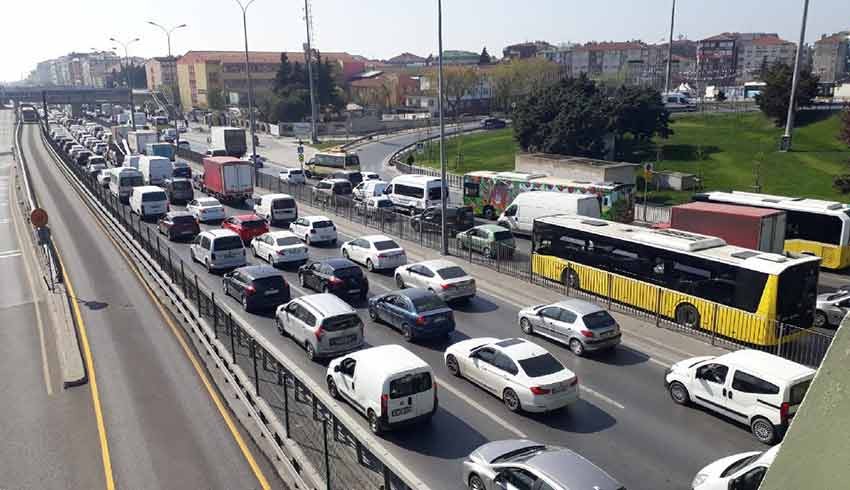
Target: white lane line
(6,254)
(505,424)
(585,389)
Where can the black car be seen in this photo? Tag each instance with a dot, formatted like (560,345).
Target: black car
(353,176)
(258,287)
(83,158)
(179,190)
(67,146)
(458,218)
(178,224)
(493,123)
(339,276)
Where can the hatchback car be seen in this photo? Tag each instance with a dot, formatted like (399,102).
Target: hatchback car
(581,325)
(334,275)
(178,224)
(247,226)
(257,287)
(377,208)
(206,209)
(370,176)
(458,218)
(831,308)
(445,279)
(524,464)
(279,248)
(493,123)
(417,313)
(491,241)
(314,229)
(376,252)
(323,324)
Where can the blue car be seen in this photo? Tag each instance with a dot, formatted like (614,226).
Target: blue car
(417,313)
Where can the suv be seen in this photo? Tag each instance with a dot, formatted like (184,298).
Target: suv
(458,218)
(257,287)
(353,176)
(328,190)
(324,324)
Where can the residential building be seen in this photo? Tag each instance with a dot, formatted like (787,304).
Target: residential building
(382,90)
(758,54)
(161,72)
(406,60)
(561,54)
(475,101)
(717,59)
(97,67)
(525,50)
(610,60)
(733,58)
(831,57)
(451,57)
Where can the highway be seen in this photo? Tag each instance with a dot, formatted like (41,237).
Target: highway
(625,421)
(161,427)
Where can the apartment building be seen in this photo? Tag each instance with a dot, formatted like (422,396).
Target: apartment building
(161,71)
(831,57)
(759,53)
(525,50)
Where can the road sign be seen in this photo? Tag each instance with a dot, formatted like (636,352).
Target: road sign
(300,150)
(301,157)
(647,170)
(38,217)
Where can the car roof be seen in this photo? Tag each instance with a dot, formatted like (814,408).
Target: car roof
(175,214)
(395,357)
(276,196)
(376,238)
(518,348)
(259,271)
(436,264)
(327,304)
(220,233)
(313,219)
(767,365)
(281,234)
(148,188)
(577,305)
(208,199)
(336,181)
(337,262)
(493,228)
(246,217)
(415,293)
(571,470)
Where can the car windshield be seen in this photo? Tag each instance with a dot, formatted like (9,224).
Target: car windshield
(598,319)
(183,220)
(283,204)
(798,392)
(322,224)
(228,243)
(271,282)
(737,465)
(429,302)
(253,223)
(288,240)
(386,245)
(543,365)
(410,384)
(153,196)
(348,272)
(295,172)
(342,188)
(501,236)
(452,272)
(181,185)
(342,322)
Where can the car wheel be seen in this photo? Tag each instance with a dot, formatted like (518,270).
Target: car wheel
(511,400)
(280,329)
(345,253)
(577,347)
(301,280)
(254,249)
(399,282)
(820,319)
(311,351)
(763,430)
(475,483)
(374,423)
(489,213)
(307,239)
(373,314)
(332,389)
(407,332)
(244,302)
(453,366)
(526,327)
(209,267)
(688,315)
(679,393)
(370,266)
(270,260)
(486,252)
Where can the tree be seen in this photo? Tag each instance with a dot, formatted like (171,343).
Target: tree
(773,100)
(459,81)
(215,99)
(510,81)
(844,130)
(484,59)
(638,112)
(327,91)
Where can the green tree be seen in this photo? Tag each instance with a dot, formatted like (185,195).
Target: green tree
(844,130)
(636,115)
(327,91)
(215,99)
(458,81)
(517,78)
(773,100)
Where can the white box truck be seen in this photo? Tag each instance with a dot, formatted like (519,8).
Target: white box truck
(526,207)
(231,139)
(139,140)
(154,169)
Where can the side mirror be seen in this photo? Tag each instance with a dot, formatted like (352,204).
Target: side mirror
(337,368)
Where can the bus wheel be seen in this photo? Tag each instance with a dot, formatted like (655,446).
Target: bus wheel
(687,315)
(488,213)
(570,279)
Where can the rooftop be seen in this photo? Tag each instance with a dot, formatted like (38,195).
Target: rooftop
(192,57)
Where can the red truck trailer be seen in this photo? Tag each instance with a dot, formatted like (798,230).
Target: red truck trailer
(748,227)
(228,179)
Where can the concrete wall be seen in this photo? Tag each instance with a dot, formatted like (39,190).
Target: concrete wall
(579,169)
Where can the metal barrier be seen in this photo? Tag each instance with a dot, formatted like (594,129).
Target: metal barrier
(652,214)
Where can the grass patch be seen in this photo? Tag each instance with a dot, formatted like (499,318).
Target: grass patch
(487,150)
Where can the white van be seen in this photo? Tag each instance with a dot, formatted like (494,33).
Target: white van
(526,207)
(276,208)
(415,192)
(122,180)
(369,188)
(148,201)
(131,161)
(218,249)
(388,384)
(154,169)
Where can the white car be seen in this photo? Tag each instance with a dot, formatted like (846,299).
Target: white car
(743,471)
(292,176)
(444,278)
(103,178)
(376,252)
(314,229)
(370,176)
(206,209)
(524,375)
(279,247)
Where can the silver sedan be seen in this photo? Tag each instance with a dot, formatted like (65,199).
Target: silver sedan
(831,308)
(580,325)
(444,278)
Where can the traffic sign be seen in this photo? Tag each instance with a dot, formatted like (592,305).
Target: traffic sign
(38,217)
(300,150)
(301,157)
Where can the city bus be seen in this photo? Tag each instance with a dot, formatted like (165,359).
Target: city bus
(812,227)
(327,162)
(489,193)
(29,114)
(695,280)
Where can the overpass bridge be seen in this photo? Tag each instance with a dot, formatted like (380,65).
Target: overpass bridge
(64,95)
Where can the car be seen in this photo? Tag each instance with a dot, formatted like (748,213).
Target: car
(458,218)
(379,208)
(206,209)
(353,176)
(493,123)
(491,241)
(279,248)
(335,275)
(831,308)
(416,312)
(82,157)
(216,152)
(370,176)
(581,325)
(103,178)
(276,208)
(314,229)
(748,386)
(376,252)
(524,375)
(369,188)
(328,191)
(247,226)
(323,324)
(218,250)
(525,464)
(442,277)
(257,287)
(95,169)
(258,160)
(178,224)
(183,144)
(179,190)
(743,471)
(292,176)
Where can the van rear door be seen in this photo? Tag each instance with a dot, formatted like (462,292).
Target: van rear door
(411,394)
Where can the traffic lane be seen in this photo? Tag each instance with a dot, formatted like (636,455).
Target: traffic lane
(162,427)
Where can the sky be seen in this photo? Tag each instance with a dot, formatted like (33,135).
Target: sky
(381,29)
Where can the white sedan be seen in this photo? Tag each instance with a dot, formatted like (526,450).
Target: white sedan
(521,373)
(446,279)
(375,252)
(279,247)
(206,209)
(370,176)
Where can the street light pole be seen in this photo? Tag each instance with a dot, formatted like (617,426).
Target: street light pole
(167,32)
(250,84)
(785,144)
(127,67)
(444,242)
(168,37)
(308,58)
(670,49)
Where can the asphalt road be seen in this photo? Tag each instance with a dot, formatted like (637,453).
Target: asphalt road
(162,427)
(625,421)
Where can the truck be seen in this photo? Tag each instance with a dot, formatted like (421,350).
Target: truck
(119,133)
(138,140)
(744,226)
(140,118)
(154,169)
(228,179)
(166,150)
(231,139)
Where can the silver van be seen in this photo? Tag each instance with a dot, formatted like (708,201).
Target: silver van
(218,249)
(323,324)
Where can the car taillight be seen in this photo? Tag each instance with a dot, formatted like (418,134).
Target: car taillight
(250,290)
(540,391)
(783,412)
(320,333)
(212,256)
(334,280)
(384,400)
(574,381)
(445,286)
(587,333)
(382,256)
(420,320)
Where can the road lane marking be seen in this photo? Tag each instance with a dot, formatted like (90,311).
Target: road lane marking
(508,426)
(584,388)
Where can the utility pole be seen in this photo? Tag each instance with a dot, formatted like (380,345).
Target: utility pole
(250,84)
(785,144)
(308,58)
(127,67)
(670,48)
(176,111)
(444,241)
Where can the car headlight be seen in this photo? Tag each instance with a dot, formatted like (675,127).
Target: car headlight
(699,480)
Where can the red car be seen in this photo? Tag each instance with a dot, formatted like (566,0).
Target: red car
(247,226)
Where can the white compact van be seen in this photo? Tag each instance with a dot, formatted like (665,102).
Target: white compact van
(122,180)
(369,188)
(131,161)
(388,384)
(148,201)
(415,192)
(154,169)
(276,208)
(520,215)
(218,249)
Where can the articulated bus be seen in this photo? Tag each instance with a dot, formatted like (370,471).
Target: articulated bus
(28,114)
(812,227)
(697,280)
(325,163)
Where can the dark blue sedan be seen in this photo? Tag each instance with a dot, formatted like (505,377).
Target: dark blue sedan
(417,313)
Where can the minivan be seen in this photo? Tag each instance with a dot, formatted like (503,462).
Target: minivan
(388,384)
(323,324)
(154,169)
(179,190)
(218,249)
(369,188)
(519,216)
(328,190)
(148,201)
(415,192)
(276,208)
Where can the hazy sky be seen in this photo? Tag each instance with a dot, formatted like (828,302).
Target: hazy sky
(34,30)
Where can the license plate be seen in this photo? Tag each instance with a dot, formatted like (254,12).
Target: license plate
(401,411)
(342,340)
(353,291)
(272,291)
(559,389)
(439,319)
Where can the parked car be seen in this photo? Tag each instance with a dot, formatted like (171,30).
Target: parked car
(583,326)
(458,218)
(279,248)
(257,287)
(493,123)
(520,463)
(206,209)
(831,308)
(328,190)
(292,176)
(744,471)
(748,386)
(218,249)
(491,241)
(442,277)
(417,313)
(178,224)
(376,252)
(314,229)
(334,275)
(247,226)
(323,324)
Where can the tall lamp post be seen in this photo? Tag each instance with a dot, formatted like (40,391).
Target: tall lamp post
(244,8)
(785,144)
(444,242)
(127,66)
(670,49)
(168,37)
